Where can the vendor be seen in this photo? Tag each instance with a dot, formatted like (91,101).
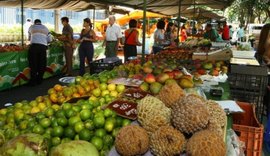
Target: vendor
(211,33)
(263,52)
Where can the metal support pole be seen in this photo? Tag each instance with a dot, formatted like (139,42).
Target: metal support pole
(144,31)
(178,21)
(94,17)
(22,20)
(193,25)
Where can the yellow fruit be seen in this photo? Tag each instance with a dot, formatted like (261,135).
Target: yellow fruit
(105,92)
(35,109)
(42,106)
(111,87)
(114,93)
(55,107)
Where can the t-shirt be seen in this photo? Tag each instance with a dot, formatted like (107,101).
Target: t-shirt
(131,38)
(68,32)
(39,34)
(160,36)
(113,32)
(226,33)
(211,35)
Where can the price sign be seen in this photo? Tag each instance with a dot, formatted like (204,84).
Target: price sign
(136,94)
(126,109)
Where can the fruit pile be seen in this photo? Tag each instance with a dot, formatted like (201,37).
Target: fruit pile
(59,121)
(170,124)
(11,48)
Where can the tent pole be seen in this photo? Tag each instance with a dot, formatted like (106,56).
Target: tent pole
(94,17)
(178,21)
(56,20)
(144,32)
(193,25)
(22,20)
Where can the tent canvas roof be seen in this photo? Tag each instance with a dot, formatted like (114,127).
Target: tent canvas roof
(159,6)
(200,13)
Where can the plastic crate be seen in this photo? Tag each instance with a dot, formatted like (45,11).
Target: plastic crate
(248,84)
(249,129)
(100,65)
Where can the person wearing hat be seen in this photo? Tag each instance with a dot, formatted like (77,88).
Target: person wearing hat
(39,36)
(86,48)
(113,37)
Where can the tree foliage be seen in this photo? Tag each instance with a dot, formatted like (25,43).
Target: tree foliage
(247,11)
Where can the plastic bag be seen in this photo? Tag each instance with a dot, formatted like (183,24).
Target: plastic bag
(235,147)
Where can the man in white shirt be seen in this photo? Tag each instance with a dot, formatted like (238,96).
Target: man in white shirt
(112,39)
(39,36)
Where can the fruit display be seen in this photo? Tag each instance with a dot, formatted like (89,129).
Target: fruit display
(186,119)
(12,48)
(132,140)
(167,141)
(152,113)
(205,142)
(244,47)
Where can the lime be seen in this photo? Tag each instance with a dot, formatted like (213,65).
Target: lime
(85,114)
(97,142)
(62,121)
(86,135)
(108,112)
(54,123)
(23,125)
(78,126)
(30,125)
(49,112)
(69,132)
(45,122)
(126,122)
(48,131)
(66,106)
(102,101)
(76,108)
(99,121)
(60,113)
(57,131)
(103,86)
(89,124)
(109,125)
(119,121)
(69,113)
(100,132)
(87,107)
(56,141)
(73,120)
(40,116)
(38,129)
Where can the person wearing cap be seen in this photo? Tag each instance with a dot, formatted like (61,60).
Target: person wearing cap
(39,37)
(113,37)
(86,48)
(67,38)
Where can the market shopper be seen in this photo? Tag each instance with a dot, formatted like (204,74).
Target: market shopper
(86,48)
(263,51)
(240,33)
(159,37)
(113,37)
(131,40)
(39,37)
(67,38)
(170,34)
(225,32)
(211,33)
(183,33)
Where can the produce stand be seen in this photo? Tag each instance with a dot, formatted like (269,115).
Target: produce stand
(14,70)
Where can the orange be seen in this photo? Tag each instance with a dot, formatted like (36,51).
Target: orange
(76,95)
(58,87)
(53,98)
(51,91)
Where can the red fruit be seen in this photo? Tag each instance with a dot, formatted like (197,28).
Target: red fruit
(138,76)
(214,72)
(150,78)
(171,74)
(177,74)
(201,71)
